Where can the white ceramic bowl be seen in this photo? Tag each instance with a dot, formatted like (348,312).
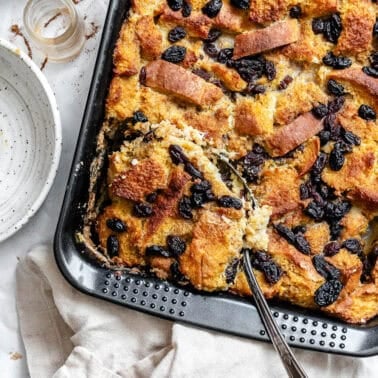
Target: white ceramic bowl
(30,138)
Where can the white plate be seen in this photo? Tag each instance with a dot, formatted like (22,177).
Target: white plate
(30,138)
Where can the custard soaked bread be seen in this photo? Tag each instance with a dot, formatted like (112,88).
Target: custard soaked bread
(213,99)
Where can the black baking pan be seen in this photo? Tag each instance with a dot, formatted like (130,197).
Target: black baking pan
(301,328)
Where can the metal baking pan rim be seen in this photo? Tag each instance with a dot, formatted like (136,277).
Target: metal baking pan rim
(67,253)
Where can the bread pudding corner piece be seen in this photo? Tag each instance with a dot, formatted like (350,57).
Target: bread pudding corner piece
(167,188)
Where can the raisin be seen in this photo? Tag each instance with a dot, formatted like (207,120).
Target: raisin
(352,245)
(116,225)
(369,264)
(304,192)
(375,29)
(299,229)
(317,25)
(152,197)
(192,170)
(176,245)
(324,137)
(295,11)
(367,113)
(336,159)
(177,154)
(325,269)
(174,54)
(157,250)
(139,117)
(176,273)
(328,293)
(176,34)
(285,232)
(198,199)
(185,207)
(333,28)
(175,5)
(186,9)
(285,82)
(337,210)
(270,70)
(202,74)
(241,4)
(350,138)
(211,50)
(112,246)
(201,187)
(374,59)
(335,88)
(225,55)
(319,165)
(370,71)
(335,229)
(143,76)
(212,8)
(337,62)
(213,35)
(330,27)
(332,126)
(252,164)
(142,210)
(302,245)
(253,89)
(331,249)
(314,211)
(263,262)
(230,202)
(335,105)
(320,111)
(231,270)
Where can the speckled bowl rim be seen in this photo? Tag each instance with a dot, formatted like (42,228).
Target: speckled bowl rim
(57,143)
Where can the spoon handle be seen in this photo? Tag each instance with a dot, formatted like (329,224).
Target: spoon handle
(292,366)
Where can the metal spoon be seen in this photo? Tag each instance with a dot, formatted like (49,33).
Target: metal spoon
(292,366)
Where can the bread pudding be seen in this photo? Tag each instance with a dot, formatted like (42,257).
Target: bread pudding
(246,126)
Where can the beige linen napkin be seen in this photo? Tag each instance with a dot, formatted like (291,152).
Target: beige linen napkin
(69,334)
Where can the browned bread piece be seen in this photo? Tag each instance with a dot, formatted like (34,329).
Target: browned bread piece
(279,34)
(175,80)
(288,137)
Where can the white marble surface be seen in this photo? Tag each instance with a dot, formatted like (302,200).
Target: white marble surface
(70,83)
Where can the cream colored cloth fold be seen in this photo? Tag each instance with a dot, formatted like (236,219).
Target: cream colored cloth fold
(69,334)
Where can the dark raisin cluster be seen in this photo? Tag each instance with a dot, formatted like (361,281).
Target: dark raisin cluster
(295,237)
(213,35)
(337,62)
(232,270)
(335,88)
(175,247)
(261,261)
(325,206)
(325,269)
(112,244)
(330,27)
(183,5)
(251,164)
(250,68)
(178,157)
